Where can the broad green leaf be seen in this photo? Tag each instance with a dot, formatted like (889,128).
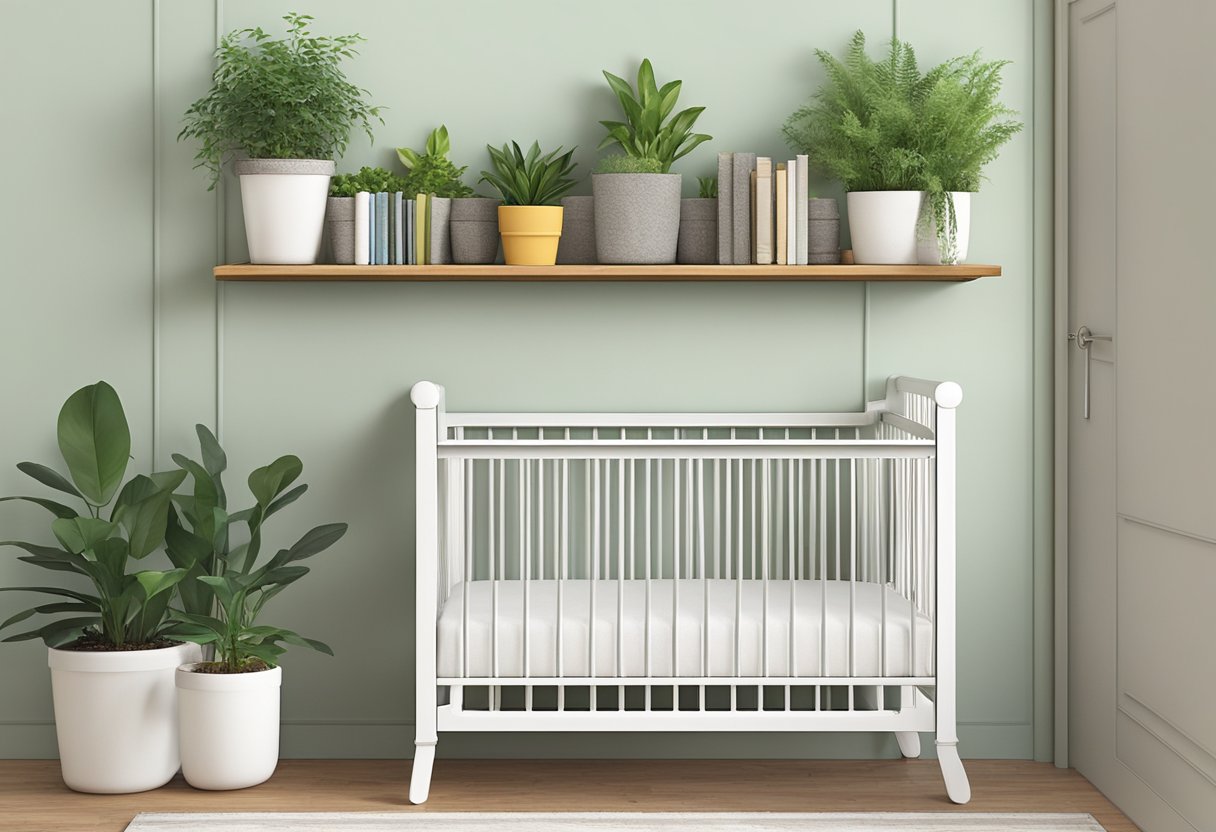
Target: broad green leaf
(316,540)
(214,458)
(49,477)
(225,589)
(286,499)
(58,633)
(95,441)
(155,583)
(52,590)
(49,609)
(300,641)
(81,534)
(268,482)
(58,509)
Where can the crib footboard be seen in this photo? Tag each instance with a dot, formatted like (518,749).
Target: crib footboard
(688,572)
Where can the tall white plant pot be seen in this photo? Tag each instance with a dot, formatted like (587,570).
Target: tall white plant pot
(928,252)
(883,226)
(229,727)
(116,717)
(284,205)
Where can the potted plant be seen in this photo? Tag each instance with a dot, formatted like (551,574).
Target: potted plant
(637,204)
(899,141)
(111,659)
(698,243)
(285,106)
(340,207)
(229,707)
(528,220)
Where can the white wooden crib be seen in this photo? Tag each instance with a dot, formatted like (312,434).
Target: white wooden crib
(688,572)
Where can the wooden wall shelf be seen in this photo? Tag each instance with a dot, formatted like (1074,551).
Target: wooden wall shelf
(439,274)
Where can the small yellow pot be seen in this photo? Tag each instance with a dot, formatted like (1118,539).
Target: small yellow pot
(530,233)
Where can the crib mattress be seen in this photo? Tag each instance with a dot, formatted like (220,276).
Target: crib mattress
(847,651)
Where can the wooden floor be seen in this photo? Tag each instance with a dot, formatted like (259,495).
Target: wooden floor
(32,797)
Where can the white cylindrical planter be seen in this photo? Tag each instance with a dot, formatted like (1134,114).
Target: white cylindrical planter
(284,205)
(116,717)
(883,226)
(229,727)
(928,251)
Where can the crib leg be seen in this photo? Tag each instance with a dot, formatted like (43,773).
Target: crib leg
(957,787)
(909,743)
(420,777)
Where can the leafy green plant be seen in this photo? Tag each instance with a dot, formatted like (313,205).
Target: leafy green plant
(647,131)
(432,172)
(707,187)
(124,609)
(372,180)
(227,588)
(282,98)
(885,126)
(616,163)
(532,179)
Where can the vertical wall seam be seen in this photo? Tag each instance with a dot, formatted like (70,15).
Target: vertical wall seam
(156,229)
(221,256)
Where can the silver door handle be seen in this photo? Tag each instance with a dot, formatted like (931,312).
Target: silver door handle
(1084,339)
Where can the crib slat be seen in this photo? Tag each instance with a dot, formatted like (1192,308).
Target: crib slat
(701,566)
(620,573)
(675,566)
(595,571)
(764,566)
(822,466)
(468,566)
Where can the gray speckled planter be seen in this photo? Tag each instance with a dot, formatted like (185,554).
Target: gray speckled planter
(338,245)
(823,227)
(474,230)
(637,217)
(698,232)
(577,246)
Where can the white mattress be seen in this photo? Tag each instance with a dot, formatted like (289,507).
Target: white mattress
(689,658)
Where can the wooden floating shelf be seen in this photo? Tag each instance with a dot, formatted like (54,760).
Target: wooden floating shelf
(439,274)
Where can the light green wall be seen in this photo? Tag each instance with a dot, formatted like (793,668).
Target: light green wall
(124,292)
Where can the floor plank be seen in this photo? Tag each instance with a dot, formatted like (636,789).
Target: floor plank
(33,798)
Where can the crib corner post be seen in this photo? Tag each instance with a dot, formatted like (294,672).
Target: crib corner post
(948,396)
(428,401)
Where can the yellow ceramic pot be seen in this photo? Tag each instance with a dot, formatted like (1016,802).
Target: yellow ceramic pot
(530,233)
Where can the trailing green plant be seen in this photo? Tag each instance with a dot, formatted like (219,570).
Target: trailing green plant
(124,609)
(372,180)
(885,126)
(284,98)
(532,179)
(647,130)
(226,588)
(618,163)
(707,187)
(432,172)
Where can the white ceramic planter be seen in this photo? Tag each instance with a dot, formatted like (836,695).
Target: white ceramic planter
(229,727)
(116,717)
(927,249)
(883,226)
(284,205)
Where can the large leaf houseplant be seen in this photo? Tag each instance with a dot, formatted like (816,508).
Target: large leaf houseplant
(908,146)
(283,108)
(108,635)
(637,198)
(230,706)
(530,184)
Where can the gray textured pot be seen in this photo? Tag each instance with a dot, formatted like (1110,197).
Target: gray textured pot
(474,230)
(577,245)
(823,228)
(698,231)
(338,244)
(637,217)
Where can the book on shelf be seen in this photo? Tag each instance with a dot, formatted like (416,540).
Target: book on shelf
(791,212)
(361,222)
(398,229)
(441,212)
(781,205)
(800,205)
(726,212)
(743,166)
(764,211)
(382,229)
(392,229)
(420,229)
(371,229)
(410,258)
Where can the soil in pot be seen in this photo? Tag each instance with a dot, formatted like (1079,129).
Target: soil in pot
(637,217)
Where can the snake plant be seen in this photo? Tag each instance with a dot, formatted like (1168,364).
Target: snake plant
(534,178)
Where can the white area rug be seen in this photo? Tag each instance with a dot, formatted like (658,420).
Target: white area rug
(611,822)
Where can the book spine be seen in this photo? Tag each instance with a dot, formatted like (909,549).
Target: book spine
(392,229)
(382,228)
(800,207)
(441,213)
(754,236)
(726,213)
(361,222)
(764,211)
(398,229)
(791,232)
(741,204)
(780,183)
(371,229)
(420,229)
(410,219)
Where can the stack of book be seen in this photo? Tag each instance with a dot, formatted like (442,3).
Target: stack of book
(762,210)
(391,230)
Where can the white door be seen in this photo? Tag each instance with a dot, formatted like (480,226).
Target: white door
(1141,460)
